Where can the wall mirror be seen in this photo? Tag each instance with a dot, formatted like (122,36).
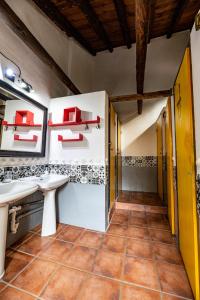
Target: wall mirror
(23,124)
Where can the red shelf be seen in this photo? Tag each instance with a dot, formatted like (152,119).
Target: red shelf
(84,122)
(5,123)
(79,139)
(17,138)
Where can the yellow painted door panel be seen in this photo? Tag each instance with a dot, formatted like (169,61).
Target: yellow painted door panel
(112,156)
(187,215)
(119,157)
(160,157)
(169,153)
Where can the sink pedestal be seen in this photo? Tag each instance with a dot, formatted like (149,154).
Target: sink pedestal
(49,213)
(3,235)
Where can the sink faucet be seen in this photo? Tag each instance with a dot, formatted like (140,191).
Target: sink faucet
(7,177)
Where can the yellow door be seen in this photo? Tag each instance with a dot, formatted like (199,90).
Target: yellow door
(112,156)
(160,157)
(119,157)
(187,214)
(169,154)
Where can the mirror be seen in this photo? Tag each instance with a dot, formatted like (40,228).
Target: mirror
(23,124)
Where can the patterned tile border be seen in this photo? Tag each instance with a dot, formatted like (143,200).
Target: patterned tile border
(86,174)
(139,161)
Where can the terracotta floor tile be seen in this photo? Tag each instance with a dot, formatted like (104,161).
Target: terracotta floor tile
(174,279)
(141,271)
(117,229)
(64,285)
(35,276)
(57,250)
(96,288)
(137,221)
(70,233)
(137,232)
(170,297)
(15,262)
(158,221)
(13,294)
(114,243)
(90,239)
(161,236)
(136,293)
(120,219)
(168,253)
(140,214)
(139,248)
(81,257)
(2,285)
(122,212)
(108,263)
(35,244)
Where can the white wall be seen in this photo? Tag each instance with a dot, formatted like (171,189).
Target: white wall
(195,50)
(116,72)
(92,150)
(139,134)
(75,61)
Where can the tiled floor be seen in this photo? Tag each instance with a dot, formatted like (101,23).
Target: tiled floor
(140,198)
(136,259)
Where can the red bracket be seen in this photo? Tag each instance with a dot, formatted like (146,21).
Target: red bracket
(17,138)
(79,139)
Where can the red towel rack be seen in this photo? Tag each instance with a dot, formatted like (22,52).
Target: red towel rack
(18,138)
(79,139)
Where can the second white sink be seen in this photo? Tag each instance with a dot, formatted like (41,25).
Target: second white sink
(16,190)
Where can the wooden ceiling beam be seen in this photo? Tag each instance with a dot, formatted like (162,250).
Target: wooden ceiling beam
(142,14)
(61,21)
(181,4)
(10,19)
(140,97)
(151,19)
(94,21)
(122,17)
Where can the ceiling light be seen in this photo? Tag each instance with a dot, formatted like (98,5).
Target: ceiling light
(9,74)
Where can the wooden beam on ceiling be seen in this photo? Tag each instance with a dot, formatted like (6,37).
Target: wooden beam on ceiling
(142,14)
(151,19)
(61,21)
(9,17)
(145,96)
(122,17)
(94,21)
(181,4)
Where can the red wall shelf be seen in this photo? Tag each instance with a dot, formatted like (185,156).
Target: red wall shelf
(79,139)
(85,122)
(5,123)
(17,138)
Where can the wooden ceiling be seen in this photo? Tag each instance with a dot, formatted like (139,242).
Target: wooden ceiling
(105,24)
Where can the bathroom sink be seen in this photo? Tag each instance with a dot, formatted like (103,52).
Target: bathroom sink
(10,192)
(16,190)
(48,184)
(51,181)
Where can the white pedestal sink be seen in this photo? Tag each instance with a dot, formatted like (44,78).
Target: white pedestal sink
(48,185)
(10,192)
